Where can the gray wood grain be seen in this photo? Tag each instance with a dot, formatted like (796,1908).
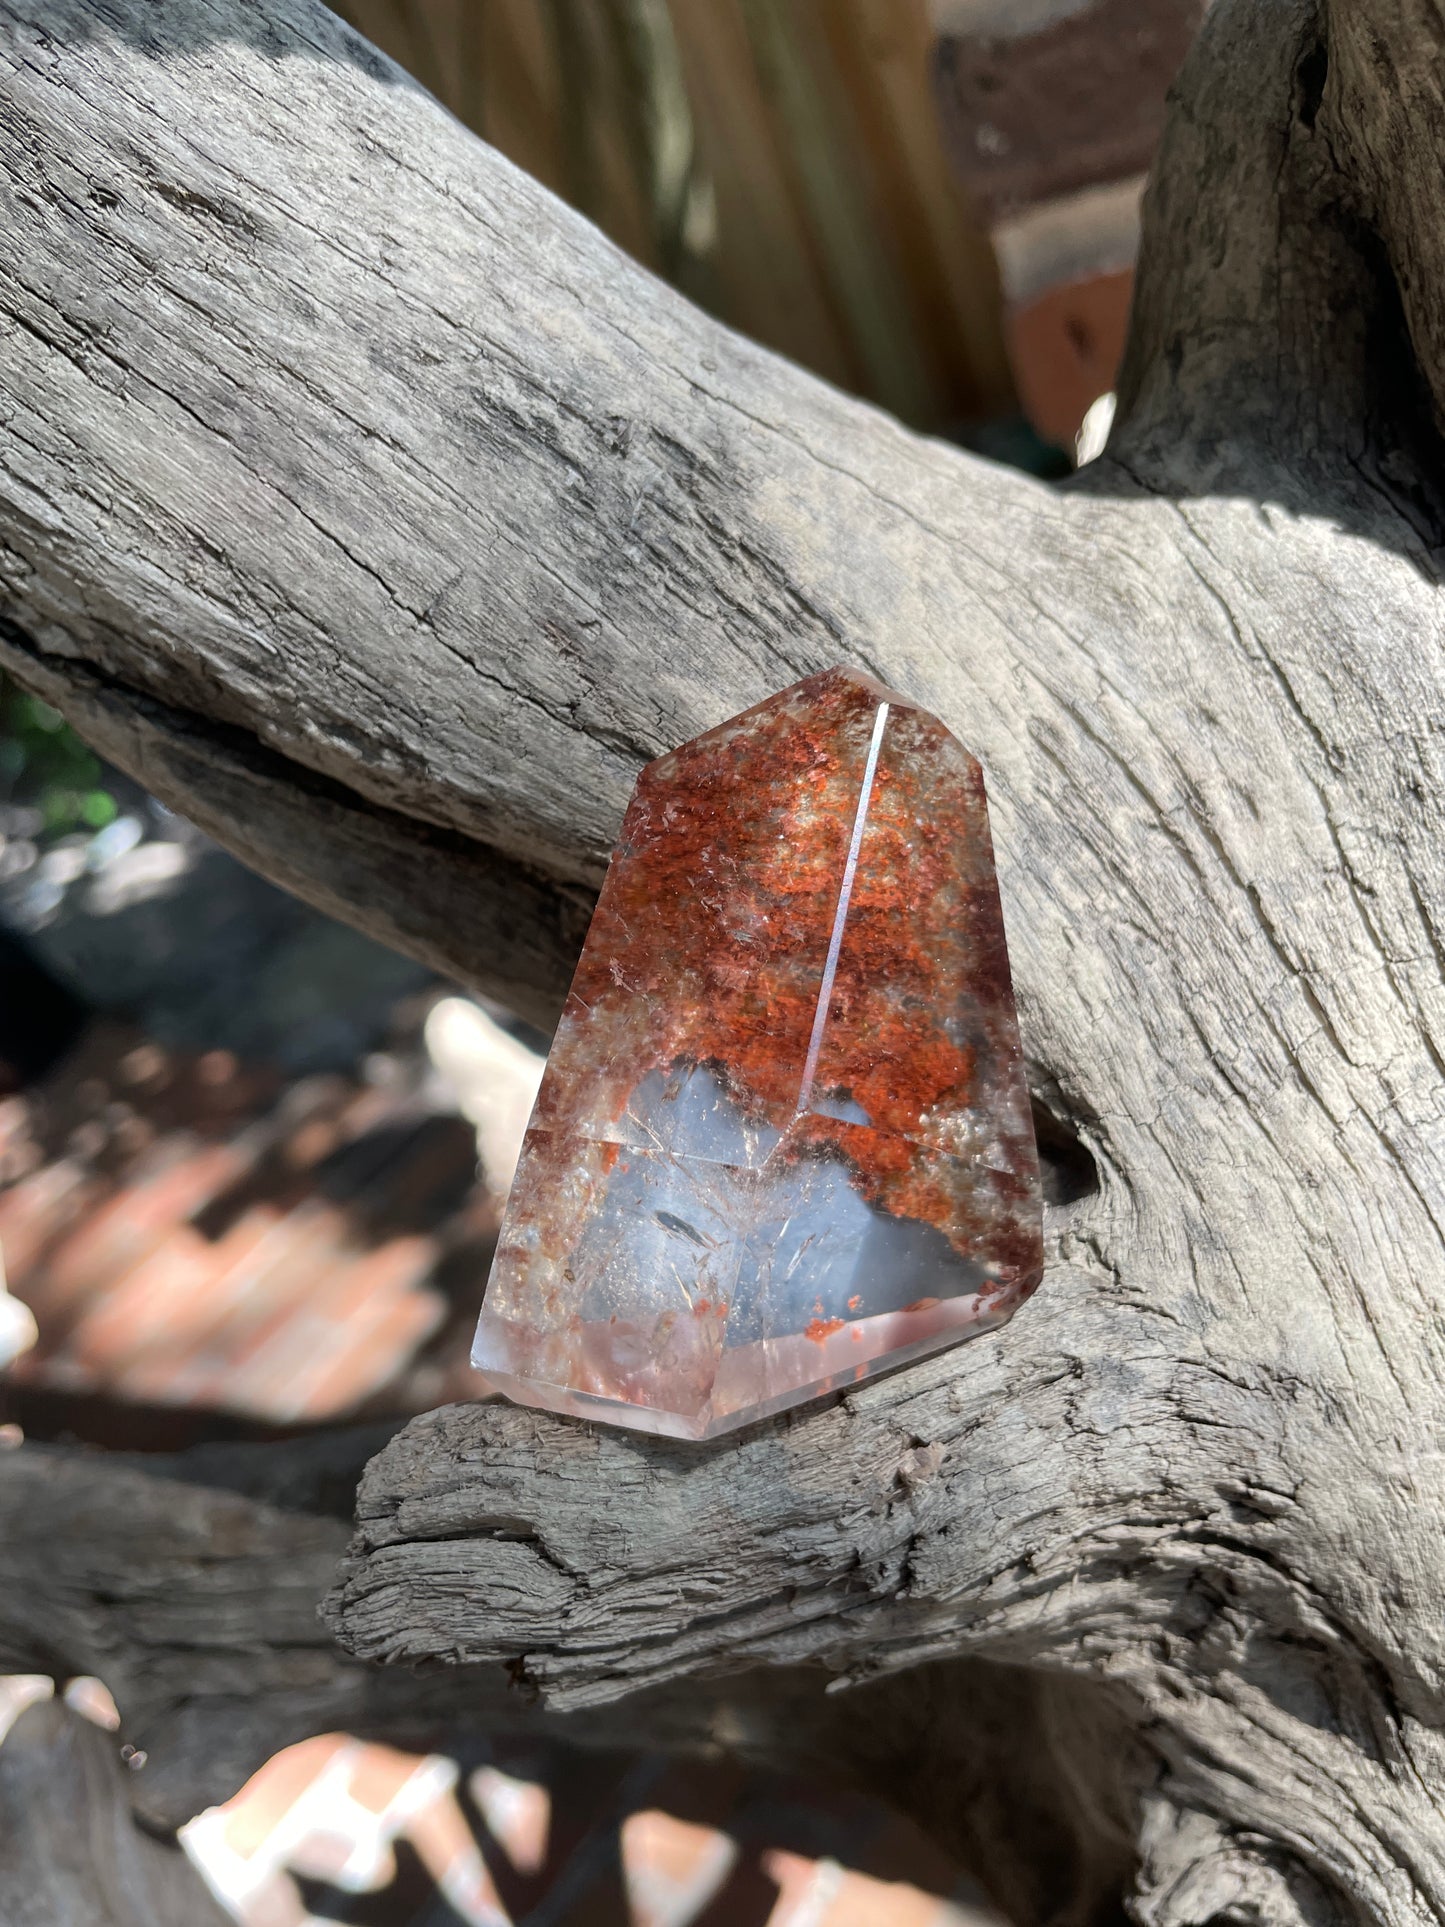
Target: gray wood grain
(189,1582)
(334,449)
(70,1849)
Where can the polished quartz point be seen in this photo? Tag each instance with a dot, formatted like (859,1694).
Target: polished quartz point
(784,1140)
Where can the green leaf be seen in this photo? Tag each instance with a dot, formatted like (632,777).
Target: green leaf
(98,808)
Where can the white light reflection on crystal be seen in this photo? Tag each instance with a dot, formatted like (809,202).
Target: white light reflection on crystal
(840,919)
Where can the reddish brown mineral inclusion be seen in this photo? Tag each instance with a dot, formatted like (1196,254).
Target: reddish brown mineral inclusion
(784,1140)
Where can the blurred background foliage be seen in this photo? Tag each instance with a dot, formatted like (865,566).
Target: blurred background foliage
(47,772)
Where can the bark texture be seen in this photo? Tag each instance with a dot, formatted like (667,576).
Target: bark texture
(371,508)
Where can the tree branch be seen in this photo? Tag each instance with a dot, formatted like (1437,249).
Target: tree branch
(189,1583)
(334,449)
(70,1849)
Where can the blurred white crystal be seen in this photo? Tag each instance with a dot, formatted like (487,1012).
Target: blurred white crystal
(17,1324)
(493,1078)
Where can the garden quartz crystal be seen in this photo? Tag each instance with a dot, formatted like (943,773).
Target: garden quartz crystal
(784,1139)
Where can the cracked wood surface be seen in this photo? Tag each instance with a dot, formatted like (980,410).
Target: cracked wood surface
(379,514)
(189,1582)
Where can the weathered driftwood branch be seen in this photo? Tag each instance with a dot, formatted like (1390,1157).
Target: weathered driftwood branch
(190,1583)
(333,449)
(70,1848)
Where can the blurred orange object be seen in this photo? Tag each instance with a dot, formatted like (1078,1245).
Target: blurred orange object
(333,1808)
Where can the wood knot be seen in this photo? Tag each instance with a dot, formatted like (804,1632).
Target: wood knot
(920,1464)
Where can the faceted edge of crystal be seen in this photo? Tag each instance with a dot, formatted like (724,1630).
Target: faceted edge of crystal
(840,672)
(703,1427)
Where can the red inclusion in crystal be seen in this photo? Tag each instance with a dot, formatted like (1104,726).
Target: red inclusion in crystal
(754,1020)
(718,910)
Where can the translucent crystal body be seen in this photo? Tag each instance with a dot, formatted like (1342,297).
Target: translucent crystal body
(784,1140)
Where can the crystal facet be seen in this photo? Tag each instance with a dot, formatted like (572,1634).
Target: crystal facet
(784,1139)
